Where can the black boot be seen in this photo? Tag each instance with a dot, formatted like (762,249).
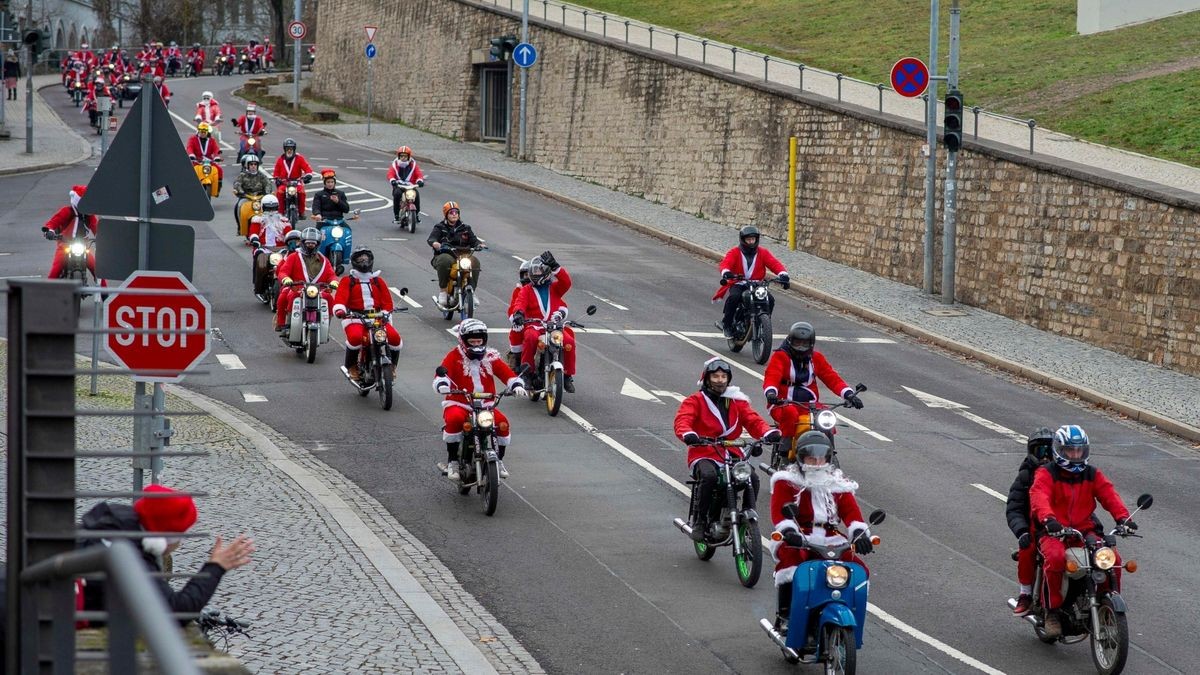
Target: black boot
(698,530)
(452,451)
(783,607)
(569,384)
(351,363)
(394,356)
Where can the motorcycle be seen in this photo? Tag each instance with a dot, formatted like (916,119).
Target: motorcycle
(821,417)
(829,603)
(478,459)
(262,273)
(291,200)
(172,66)
(251,144)
(246,208)
(308,325)
(195,66)
(337,239)
(77,92)
(736,526)
(409,216)
(1092,604)
(128,89)
(374,364)
(223,65)
(752,322)
(207,175)
(460,292)
(247,64)
(77,251)
(548,361)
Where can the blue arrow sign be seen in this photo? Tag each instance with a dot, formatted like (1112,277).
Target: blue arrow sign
(525,55)
(370,50)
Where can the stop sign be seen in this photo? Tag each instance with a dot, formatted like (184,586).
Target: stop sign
(166,352)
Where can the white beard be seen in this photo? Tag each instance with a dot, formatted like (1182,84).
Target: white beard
(828,479)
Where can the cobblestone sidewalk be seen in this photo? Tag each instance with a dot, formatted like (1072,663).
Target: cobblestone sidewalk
(54,143)
(317,603)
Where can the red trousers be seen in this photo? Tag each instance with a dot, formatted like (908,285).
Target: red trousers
(529,348)
(59,266)
(284,305)
(787,417)
(1026,565)
(280,195)
(454,417)
(515,341)
(1054,553)
(787,558)
(356,335)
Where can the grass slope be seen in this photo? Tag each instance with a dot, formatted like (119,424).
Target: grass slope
(1019,57)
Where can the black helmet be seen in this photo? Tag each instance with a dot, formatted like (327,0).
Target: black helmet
(813,444)
(1039,445)
(713,365)
(473,329)
(801,340)
(289,143)
(539,271)
(748,232)
(362,260)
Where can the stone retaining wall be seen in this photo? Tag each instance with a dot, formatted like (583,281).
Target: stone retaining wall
(1062,247)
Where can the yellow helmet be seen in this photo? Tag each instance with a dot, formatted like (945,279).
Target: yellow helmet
(204,128)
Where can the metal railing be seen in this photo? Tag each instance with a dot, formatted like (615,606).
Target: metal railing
(764,67)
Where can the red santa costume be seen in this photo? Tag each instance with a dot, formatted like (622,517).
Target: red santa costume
(200,147)
(293,268)
(539,301)
(271,227)
(516,335)
(208,110)
(405,174)
(291,168)
(465,373)
(69,223)
(754,267)
(699,414)
(824,499)
(250,124)
(788,380)
(364,292)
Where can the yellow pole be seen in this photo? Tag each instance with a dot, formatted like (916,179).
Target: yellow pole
(792,193)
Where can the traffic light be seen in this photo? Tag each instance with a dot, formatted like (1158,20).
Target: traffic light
(953,121)
(36,41)
(502,47)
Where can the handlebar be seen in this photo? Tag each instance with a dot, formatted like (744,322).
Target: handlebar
(817,405)
(738,278)
(479,395)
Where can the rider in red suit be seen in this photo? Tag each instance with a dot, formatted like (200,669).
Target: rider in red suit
(196,56)
(792,374)
(747,260)
(472,366)
(516,337)
(303,265)
(363,290)
(268,54)
(540,299)
(201,145)
(250,124)
(68,223)
(291,166)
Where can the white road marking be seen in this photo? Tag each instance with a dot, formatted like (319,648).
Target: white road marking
(392,239)
(960,409)
(356,192)
(669,394)
(636,331)
(253,398)
(357,167)
(379,161)
(5,252)
(596,331)
(990,491)
(230,361)
(623,308)
(518,258)
(343,159)
(322,159)
(634,390)
(407,299)
(22,276)
(684,490)
(755,374)
(189,125)
(780,336)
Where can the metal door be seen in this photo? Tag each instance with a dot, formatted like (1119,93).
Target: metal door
(494,120)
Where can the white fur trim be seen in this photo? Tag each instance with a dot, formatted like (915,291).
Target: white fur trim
(787,525)
(517,349)
(847,391)
(734,393)
(155,546)
(75,197)
(784,576)
(452,438)
(771,390)
(515,380)
(858,526)
(792,475)
(503,440)
(439,381)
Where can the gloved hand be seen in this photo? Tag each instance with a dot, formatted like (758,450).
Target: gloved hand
(793,538)
(772,436)
(287,281)
(853,399)
(1052,525)
(339,313)
(1130,525)
(308,178)
(520,391)
(1024,541)
(421,183)
(726,275)
(48,233)
(756,450)
(333,285)
(863,545)
(548,258)
(772,398)
(557,315)
(691,438)
(784,280)
(443,389)
(518,319)
(395,183)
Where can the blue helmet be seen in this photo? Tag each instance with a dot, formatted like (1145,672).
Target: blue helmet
(1070,437)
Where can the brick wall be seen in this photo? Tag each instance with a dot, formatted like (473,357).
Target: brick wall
(1059,246)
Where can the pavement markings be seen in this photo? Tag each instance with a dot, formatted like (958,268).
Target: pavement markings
(5,252)
(684,490)
(961,410)
(634,390)
(356,192)
(755,374)
(22,276)
(636,331)
(820,338)
(231,362)
(606,301)
(669,394)
(990,491)
(253,398)
(392,239)
(409,300)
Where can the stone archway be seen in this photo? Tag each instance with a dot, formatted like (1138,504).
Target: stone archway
(59,37)
(83,39)
(73,38)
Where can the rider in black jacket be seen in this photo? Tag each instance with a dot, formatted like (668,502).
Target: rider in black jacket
(446,236)
(330,203)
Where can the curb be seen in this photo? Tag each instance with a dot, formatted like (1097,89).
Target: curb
(49,166)
(1138,413)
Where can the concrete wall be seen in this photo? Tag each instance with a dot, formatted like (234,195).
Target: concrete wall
(1095,16)
(1059,246)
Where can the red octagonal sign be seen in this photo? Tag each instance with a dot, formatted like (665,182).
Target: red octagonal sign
(179,318)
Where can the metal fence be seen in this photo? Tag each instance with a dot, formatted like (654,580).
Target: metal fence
(839,86)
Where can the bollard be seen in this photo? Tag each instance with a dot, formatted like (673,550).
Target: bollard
(1032,125)
(651,28)
(585,15)
(880,87)
(626,31)
(734,50)
(976,110)
(704,51)
(604,24)
(802,67)
(677,44)
(766,67)
(839,79)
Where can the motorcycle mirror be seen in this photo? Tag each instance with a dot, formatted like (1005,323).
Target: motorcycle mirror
(404,290)
(441,371)
(591,309)
(1145,501)
(791,511)
(877,516)
(860,388)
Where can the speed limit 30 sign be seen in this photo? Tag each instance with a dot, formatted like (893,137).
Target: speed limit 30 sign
(297,30)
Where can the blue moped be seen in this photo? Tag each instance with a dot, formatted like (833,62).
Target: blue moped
(829,604)
(337,240)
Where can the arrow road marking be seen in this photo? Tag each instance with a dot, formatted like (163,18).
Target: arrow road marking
(990,491)
(230,361)
(633,390)
(961,410)
(669,394)
(253,398)
(623,308)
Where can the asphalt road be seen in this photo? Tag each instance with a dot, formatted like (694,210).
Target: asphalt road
(581,561)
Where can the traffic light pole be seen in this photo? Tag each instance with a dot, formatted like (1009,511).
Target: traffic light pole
(931,143)
(29,97)
(950,210)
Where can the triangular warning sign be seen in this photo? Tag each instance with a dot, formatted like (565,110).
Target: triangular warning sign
(173,193)
(371,32)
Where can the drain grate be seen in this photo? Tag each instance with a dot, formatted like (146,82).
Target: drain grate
(945,312)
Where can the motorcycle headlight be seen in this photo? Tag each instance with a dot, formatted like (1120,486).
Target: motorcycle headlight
(311,291)
(1105,558)
(464,264)
(337,232)
(275,258)
(826,420)
(556,337)
(485,419)
(760,293)
(410,194)
(250,142)
(837,576)
(742,472)
(77,248)
(291,190)
(381,335)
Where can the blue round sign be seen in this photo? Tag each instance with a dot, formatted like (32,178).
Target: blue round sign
(370,50)
(525,55)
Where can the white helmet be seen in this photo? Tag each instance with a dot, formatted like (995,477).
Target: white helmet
(473,329)
(270,203)
(206,95)
(250,157)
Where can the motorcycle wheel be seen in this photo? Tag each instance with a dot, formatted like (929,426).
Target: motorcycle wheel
(383,384)
(412,222)
(554,390)
(489,492)
(467,303)
(837,644)
(738,341)
(703,550)
(760,344)
(749,562)
(310,350)
(1111,646)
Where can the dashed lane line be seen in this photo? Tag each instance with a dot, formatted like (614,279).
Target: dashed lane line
(780,336)
(990,491)
(231,362)
(606,301)
(250,397)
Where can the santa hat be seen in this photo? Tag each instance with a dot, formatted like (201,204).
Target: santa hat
(165,514)
(77,194)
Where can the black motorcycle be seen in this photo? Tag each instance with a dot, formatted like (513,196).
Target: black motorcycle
(820,416)
(752,321)
(374,364)
(478,458)
(737,526)
(548,361)
(291,198)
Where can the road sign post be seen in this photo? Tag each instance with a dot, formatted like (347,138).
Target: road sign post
(370,78)
(524,78)
(950,210)
(297,30)
(931,145)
